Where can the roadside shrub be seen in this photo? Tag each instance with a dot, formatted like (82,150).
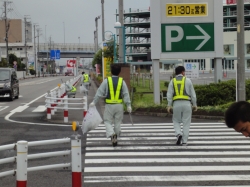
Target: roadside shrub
(218,94)
(32,72)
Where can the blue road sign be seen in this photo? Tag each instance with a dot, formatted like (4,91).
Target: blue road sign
(54,54)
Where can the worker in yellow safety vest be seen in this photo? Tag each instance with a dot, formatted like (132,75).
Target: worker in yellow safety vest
(70,90)
(182,97)
(115,91)
(85,80)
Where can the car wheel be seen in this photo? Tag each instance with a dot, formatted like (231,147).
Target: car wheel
(12,96)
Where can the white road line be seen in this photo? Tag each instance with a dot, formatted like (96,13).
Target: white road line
(179,178)
(164,124)
(167,134)
(168,130)
(205,147)
(167,127)
(3,107)
(7,117)
(201,139)
(204,153)
(19,109)
(166,160)
(40,108)
(170,142)
(165,169)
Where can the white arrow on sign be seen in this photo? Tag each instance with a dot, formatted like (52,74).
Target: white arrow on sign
(205,37)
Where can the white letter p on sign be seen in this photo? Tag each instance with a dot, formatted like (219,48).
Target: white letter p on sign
(169,39)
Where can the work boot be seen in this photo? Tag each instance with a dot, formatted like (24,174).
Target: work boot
(178,141)
(114,140)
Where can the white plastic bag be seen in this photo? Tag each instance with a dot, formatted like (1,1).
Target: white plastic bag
(91,120)
(83,89)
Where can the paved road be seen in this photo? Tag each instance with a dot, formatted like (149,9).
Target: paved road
(146,155)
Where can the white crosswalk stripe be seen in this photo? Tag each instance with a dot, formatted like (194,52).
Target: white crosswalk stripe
(3,107)
(147,156)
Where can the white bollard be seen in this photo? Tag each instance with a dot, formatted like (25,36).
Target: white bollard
(55,100)
(48,108)
(21,163)
(76,160)
(66,112)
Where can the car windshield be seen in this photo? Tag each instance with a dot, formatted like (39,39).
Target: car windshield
(4,75)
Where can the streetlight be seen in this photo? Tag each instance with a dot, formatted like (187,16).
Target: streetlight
(109,36)
(64,32)
(117,27)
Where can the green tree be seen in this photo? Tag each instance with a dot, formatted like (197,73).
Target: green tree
(3,63)
(97,58)
(12,58)
(109,51)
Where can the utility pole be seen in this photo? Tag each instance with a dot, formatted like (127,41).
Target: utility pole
(7,27)
(96,25)
(241,84)
(35,46)
(39,68)
(121,20)
(25,43)
(50,50)
(95,41)
(103,29)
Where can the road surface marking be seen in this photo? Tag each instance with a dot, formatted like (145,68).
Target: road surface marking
(19,109)
(188,178)
(40,108)
(3,107)
(202,153)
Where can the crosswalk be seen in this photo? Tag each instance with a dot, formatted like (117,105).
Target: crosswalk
(40,108)
(147,156)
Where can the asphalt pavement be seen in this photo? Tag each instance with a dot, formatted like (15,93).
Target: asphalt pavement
(146,155)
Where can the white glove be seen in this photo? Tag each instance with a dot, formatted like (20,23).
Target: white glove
(92,104)
(129,109)
(195,108)
(169,109)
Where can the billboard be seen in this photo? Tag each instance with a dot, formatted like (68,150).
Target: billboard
(31,61)
(71,63)
(231,2)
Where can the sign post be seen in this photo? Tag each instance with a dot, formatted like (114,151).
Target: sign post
(186,29)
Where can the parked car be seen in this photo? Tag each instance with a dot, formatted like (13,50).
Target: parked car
(9,84)
(69,74)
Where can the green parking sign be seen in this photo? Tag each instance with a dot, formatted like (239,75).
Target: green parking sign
(187,37)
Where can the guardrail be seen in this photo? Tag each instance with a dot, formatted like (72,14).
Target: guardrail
(58,99)
(21,159)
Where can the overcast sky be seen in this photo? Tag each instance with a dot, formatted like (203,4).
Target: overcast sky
(78,16)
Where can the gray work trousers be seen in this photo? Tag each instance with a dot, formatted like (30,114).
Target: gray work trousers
(86,84)
(182,113)
(113,114)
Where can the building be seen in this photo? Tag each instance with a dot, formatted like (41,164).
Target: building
(138,40)
(16,38)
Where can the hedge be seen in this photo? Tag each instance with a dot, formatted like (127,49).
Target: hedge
(218,93)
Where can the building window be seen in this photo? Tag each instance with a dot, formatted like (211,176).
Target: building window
(248,64)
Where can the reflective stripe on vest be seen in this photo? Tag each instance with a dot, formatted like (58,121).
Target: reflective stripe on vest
(86,78)
(114,95)
(73,89)
(179,93)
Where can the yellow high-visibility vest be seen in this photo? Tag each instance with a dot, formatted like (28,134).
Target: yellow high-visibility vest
(179,89)
(73,89)
(86,78)
(114,96)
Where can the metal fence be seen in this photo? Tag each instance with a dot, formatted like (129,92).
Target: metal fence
(22,158)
